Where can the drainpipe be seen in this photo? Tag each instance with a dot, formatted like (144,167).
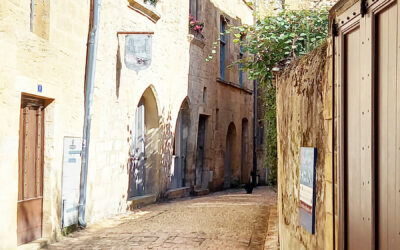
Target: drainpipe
(89,85)
(254,172)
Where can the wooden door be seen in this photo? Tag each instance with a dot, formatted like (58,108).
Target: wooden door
(369,118)
(138,170)
(245,150)
(230,140)
(30,174)
(176,173)
(353,160)
(387,94)
(228,162)
(201,139)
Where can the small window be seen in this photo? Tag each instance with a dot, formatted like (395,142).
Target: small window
(260,134)
(240,64)
(222,48)
(205,95)
(194,9)
(40,18)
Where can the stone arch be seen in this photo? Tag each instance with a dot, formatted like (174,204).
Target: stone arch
(230,160)
(145,167)
(182,130)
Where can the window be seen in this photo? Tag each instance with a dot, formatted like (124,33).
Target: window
(260,134)
(240,64)
(204,95)
(40,18)
(194,9)
(222,49)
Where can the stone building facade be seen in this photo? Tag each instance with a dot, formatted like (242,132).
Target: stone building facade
(42,71)
(145,142)
(220,101)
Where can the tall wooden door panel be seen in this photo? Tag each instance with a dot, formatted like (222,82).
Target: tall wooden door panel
(387,108)
(201,140)
(30,190)
(353,166)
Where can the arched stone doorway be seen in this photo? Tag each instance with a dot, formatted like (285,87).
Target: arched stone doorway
(229,155)
(244,178)
(144,153)
(178,169)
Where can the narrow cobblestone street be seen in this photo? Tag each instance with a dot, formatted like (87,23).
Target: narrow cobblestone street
(222,220)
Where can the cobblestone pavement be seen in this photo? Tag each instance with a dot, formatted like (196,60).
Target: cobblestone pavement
(222,220)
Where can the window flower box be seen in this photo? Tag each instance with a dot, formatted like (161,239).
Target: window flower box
(196,27)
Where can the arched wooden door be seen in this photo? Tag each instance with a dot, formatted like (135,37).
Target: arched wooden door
(138,170)
(145,155)
(229,153)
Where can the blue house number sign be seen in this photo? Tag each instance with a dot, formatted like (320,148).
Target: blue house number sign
(308,162)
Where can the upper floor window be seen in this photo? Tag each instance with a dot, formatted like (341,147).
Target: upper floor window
(223,42)
(240,64)
(40,18)
(194,9)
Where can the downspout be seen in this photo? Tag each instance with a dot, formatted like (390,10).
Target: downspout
(89,86)
(254,172)
(334,35)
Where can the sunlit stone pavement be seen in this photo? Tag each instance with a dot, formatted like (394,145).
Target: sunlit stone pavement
(224,220)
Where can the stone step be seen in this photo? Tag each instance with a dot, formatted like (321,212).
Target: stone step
(177,193)
(141,201)
(201,192)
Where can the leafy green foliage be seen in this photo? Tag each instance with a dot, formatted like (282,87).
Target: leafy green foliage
(286,35)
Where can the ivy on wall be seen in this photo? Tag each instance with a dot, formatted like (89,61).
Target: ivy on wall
(271,43)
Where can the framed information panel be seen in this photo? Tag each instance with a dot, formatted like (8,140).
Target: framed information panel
(308,162)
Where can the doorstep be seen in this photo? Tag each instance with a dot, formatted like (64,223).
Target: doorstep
(140,201)
(201,192)
(177,193)
(36,244)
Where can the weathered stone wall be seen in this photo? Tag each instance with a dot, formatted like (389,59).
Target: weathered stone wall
(304,119)
(117,93)
(54,56)
(226,102)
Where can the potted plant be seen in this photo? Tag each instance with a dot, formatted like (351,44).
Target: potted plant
(196,26)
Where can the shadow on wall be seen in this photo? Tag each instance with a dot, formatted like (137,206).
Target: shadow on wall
(158,149)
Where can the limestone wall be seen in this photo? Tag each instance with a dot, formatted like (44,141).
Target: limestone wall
(117,93)
(304,118)
(56,60)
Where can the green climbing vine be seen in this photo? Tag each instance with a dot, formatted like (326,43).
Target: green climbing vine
(272,41)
